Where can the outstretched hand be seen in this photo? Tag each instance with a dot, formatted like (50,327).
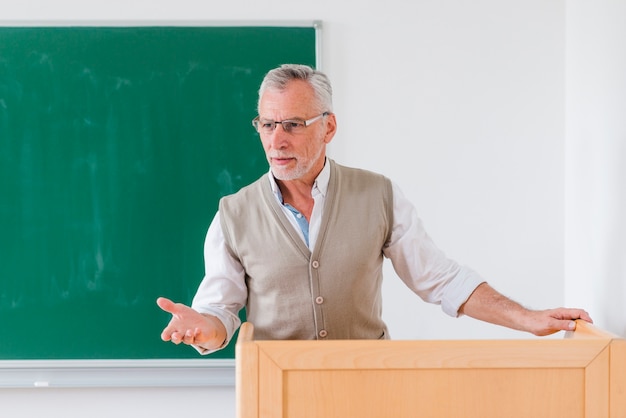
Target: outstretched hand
(191,327)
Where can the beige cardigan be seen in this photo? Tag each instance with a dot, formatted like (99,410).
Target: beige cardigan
(332,292)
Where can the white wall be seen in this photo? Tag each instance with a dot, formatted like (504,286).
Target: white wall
(461,103)
(472,129)
(595,250)
(118,402)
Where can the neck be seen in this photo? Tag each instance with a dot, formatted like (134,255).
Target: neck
(295,189)
(300,187)
(297,193)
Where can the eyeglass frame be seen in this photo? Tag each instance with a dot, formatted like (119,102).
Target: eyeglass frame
(306,123)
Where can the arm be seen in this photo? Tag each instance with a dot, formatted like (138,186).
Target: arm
(191,327)
(486,304)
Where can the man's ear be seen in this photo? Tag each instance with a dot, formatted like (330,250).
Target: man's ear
(331,127)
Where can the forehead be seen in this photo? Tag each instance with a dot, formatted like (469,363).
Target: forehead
(297,99)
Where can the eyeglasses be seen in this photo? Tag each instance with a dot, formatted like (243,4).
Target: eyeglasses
(292,126)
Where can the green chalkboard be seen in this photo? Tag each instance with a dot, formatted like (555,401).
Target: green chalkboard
(116,144)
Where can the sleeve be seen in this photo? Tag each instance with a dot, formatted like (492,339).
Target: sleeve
(422,266)
(223,291)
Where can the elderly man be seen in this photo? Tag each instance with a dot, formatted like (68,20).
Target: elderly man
(302,248)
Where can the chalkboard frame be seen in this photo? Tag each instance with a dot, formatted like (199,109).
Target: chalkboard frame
(68,373)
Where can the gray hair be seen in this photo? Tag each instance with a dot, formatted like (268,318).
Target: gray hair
(279,77)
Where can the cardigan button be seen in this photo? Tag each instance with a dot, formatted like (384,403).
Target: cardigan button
(315,264)
(323,333)
(319,300)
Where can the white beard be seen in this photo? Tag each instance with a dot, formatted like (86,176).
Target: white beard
(300,170)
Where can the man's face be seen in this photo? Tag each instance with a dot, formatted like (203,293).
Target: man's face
(295,155)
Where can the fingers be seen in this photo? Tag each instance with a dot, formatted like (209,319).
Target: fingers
(187,337)
(561,319)
(166,304)
(572,314)
(567,325)
(170,333)
(549,321)
(188,326)
(584,316)
(177,337)
(185,325)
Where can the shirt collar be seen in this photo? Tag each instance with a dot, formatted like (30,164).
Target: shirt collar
(319,186)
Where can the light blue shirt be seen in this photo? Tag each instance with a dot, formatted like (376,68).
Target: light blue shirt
(318,193)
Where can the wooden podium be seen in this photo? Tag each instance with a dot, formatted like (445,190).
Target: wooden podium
(582,375)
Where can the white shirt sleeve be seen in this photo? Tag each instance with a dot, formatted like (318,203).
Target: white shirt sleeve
(223,291)
(422,266)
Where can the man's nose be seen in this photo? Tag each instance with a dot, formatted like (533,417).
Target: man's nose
(279,135)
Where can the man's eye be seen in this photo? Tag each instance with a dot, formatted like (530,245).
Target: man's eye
(267,125)
(294,124)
